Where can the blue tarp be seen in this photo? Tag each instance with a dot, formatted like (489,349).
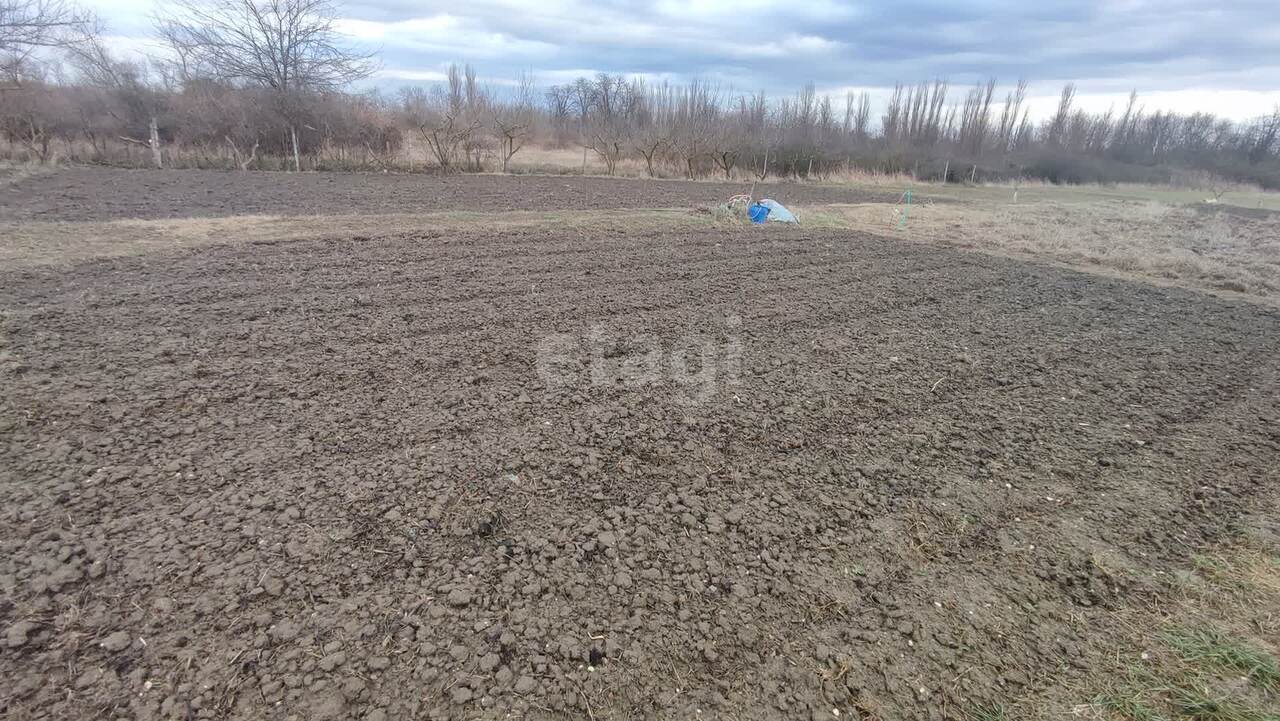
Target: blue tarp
(778,212)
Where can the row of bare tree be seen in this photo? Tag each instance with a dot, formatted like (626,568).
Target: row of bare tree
(696,129)
(463,124)
(266,84)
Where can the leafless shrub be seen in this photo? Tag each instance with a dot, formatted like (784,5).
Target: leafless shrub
(513,121)
(287,46)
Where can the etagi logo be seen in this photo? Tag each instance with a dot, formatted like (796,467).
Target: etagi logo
(694,365)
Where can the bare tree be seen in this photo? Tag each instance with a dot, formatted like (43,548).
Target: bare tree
(34,115)
(975,118)
(727,142)
(1009,116)
(857,115)
(32,111)
(1262,137)
(215,105)
(512,121)
(607,105)
(443,118)
(650,122)
(134,103)
(759,134)
(607,137)
(650,141)
(1055,130)
(440,129)
(694,121)
(560,112)
(28,25)
(221,118)
(475,107)
(287,46)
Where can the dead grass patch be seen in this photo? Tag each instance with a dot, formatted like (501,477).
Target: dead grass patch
(1207,653)
(1172,245)
(12,173)
(27,244)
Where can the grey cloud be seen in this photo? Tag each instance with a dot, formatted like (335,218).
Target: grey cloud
(759,45)
(1153,43)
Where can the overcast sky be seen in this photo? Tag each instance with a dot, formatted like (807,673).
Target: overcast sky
(1182,55)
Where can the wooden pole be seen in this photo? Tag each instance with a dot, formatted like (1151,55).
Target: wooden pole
(297,159)
(154,142)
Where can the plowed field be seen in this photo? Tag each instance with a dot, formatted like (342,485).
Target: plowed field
(736,473)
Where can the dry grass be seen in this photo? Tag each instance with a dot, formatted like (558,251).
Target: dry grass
(1206,651)
(12,173)
(1041,192)
(1212,656)
(876,179)
(569,161)
(28,244)
(1219,249)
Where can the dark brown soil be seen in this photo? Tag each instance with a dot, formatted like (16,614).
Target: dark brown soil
(368,479)
(87,193)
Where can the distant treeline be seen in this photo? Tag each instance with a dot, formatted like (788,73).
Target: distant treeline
(207,105)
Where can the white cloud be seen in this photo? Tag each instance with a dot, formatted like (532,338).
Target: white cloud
(1234,104)
(718,13)
(371,31)
(806,44)
(410,75)
(444,35)
(134,49)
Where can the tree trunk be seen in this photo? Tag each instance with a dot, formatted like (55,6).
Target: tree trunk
(946,170)
(297,159)
(154,142)
(253,155)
